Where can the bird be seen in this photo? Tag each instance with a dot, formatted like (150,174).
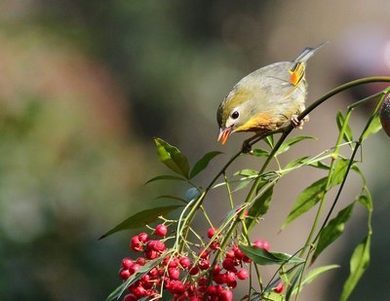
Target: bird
(266,99)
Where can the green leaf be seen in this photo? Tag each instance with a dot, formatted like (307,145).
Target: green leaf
(172,157)
(374,127)
(263,257)
(165,177)
(296,162)
(333,230)
(340,119)
(294,282)
(141,218)
(338,172)
(319,165)
(366,200)
(243,183)
(290,142)
(258,152)
(358,264)
(313,274)
(202,163)
(117,293)
(270,140)
(172,197)
(260,207)
(307,199)
(246,173)
(272,296)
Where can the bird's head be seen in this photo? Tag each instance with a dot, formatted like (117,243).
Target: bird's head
(233,113)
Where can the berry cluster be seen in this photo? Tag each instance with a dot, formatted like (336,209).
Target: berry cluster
(184,278)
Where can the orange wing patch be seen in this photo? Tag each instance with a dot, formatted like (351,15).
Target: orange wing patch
(262,121)
(297,73)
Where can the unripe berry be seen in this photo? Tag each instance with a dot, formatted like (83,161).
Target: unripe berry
(161,230)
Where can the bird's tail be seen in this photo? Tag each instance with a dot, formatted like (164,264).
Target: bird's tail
(308,53)
(297,71)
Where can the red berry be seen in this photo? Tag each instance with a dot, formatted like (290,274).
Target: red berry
(219,278)
(228,264)
(174,273)
(143,237)
(176,287)
(194,270)
(278,288)
(230,278)
(156,245)
(139,291)
(212,290)
(204,264)
(151,254)
(136,244)
(261,244)
(161,230)
(242,274)
(124,274)
(230,254)
(127,263)
(141,260)
(226,295)
(210,232)
(134,268)
(129,297)
(185,262)
(238,253)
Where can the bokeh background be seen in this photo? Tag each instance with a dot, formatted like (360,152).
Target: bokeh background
(85,85)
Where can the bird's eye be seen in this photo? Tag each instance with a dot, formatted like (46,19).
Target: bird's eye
(235,115)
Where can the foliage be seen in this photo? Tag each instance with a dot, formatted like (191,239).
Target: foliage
(229,254)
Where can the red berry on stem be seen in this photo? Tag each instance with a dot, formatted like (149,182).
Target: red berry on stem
(278,288)
(136,244)
(185,262)
(262,244)
(143,237)
(129,297)
(124,274)
(242,274)
(127,263)
(161,230)
(210,232)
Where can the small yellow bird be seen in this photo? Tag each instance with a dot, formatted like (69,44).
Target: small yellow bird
(266,99)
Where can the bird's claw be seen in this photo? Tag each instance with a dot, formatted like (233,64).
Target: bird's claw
(299,123)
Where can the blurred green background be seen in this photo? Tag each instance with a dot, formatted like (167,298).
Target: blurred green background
(84,85)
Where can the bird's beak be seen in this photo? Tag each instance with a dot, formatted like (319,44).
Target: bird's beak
(224,134)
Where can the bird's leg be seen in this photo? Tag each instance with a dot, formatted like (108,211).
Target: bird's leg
(299,123)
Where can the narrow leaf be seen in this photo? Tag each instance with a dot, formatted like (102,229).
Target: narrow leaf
(347,135)
(165,177)
(374,127)
(258,152)
(270,140)
(202,163)
(333,230)
(366,200)
(141,218)
(315,273)
(260,207)
(172,157)
(246,172)
(171,197)
(307,199)
(319,165)
(338,172)
(296,162)
(358,264)
(290,142)
(263,257)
